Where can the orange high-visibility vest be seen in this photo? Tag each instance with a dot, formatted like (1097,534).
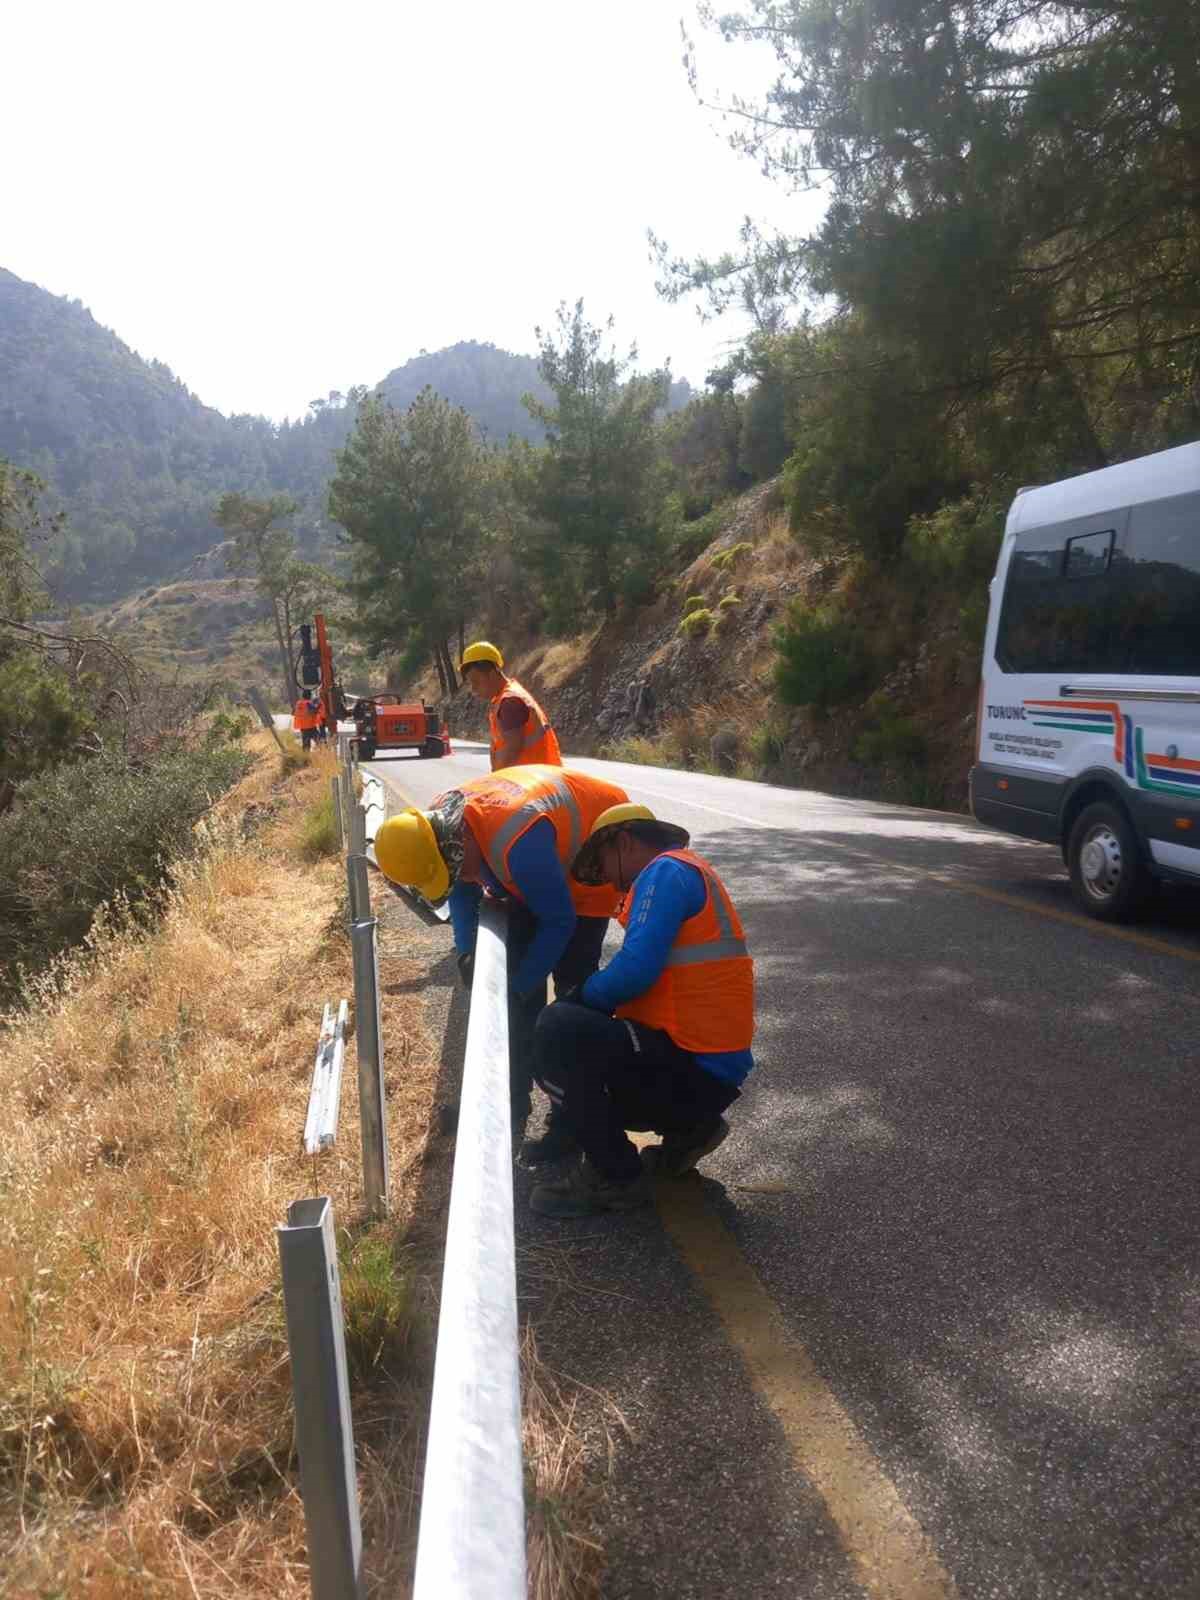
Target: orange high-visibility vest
(506,804)
(704,995)
(539,742)
(302,716)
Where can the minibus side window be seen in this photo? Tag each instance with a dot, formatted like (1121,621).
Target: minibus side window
(1088,555)
(1159,617)
(1058,603)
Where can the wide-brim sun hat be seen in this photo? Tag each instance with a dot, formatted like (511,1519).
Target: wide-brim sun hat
(640,820)
(407,852)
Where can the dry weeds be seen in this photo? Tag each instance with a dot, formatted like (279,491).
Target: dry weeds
(156,1097)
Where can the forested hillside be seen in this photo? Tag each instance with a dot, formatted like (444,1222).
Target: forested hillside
(136,461)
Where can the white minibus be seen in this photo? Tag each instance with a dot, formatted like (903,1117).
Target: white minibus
(1089,711)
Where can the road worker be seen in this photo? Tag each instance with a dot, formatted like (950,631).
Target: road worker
(305,718)
(659,1039)
(513,834)
(520,730)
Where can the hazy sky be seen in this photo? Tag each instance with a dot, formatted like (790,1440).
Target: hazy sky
(279,199)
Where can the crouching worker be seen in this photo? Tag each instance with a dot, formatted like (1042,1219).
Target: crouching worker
(660,1038)
(514,833)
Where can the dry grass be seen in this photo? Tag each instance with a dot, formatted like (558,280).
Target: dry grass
(553,664)
(156,1099)
(565,1559)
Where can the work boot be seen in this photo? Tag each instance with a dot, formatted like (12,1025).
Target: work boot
(586,1192)
(679,1152)
(555,1143)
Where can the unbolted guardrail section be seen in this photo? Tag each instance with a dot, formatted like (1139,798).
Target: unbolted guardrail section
(472,1535)
(324,1098)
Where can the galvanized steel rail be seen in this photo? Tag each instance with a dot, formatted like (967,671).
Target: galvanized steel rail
(324,1098)
(472,1534)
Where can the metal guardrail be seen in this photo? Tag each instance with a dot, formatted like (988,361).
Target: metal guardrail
(312,1301)
(471,1544)
(324,1098)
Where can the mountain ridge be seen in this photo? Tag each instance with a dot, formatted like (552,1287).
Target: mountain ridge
(136,460)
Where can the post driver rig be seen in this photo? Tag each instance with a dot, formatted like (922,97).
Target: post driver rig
(383,723)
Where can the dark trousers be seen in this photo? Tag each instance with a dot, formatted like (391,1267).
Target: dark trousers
(578,961)
(605,1074)
(307,735)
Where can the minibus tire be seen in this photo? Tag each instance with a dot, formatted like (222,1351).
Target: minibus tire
(1108,875)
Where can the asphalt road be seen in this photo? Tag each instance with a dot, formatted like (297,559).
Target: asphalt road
(958,1217)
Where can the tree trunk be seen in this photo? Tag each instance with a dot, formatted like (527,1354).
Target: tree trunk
(451,678)
(462,638)
(441,671)
(289,691)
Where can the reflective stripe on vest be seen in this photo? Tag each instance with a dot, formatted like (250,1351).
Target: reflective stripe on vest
(502,806)
(725,948)
(704,995)
(537,734)
(559,798)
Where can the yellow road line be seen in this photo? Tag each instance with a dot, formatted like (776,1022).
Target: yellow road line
(893,1556)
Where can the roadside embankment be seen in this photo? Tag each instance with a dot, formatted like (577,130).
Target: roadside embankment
(157,1092)
(873,693)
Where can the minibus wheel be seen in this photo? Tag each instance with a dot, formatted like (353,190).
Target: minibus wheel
(1108,875)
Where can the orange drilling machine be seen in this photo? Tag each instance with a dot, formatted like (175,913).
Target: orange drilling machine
(384,725)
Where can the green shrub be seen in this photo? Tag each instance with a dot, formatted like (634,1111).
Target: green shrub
(822,659)
(690,539)
(381,1312)
(318,831)
(638,750)
(90,833)
(693,603)
(728,601)
(894,741)
(725,559)
(227,728)
(697,623)
(767,746)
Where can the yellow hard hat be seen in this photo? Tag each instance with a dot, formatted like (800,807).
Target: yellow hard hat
(586,868)
(406,850)
(481,650)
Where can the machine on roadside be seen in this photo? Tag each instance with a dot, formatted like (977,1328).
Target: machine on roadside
(384,725)
(389,726)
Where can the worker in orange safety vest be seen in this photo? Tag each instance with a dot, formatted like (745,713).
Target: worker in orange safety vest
(306,718)
(519,730)
(660,1038)
(514,834)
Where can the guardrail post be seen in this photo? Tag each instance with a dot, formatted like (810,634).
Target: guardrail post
(312,1299)
(359,887)
(472,1536)
(358,830)
(336,791)
(369,1042)
(347,794)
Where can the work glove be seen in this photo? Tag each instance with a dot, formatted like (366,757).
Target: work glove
(466,967)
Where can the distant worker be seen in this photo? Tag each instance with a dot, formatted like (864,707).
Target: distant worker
(521,734)
(659,1039)
(322,720)
(513,834)
(305,718)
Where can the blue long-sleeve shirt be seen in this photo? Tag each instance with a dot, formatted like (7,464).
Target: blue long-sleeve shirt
(665,894)
(542,884)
